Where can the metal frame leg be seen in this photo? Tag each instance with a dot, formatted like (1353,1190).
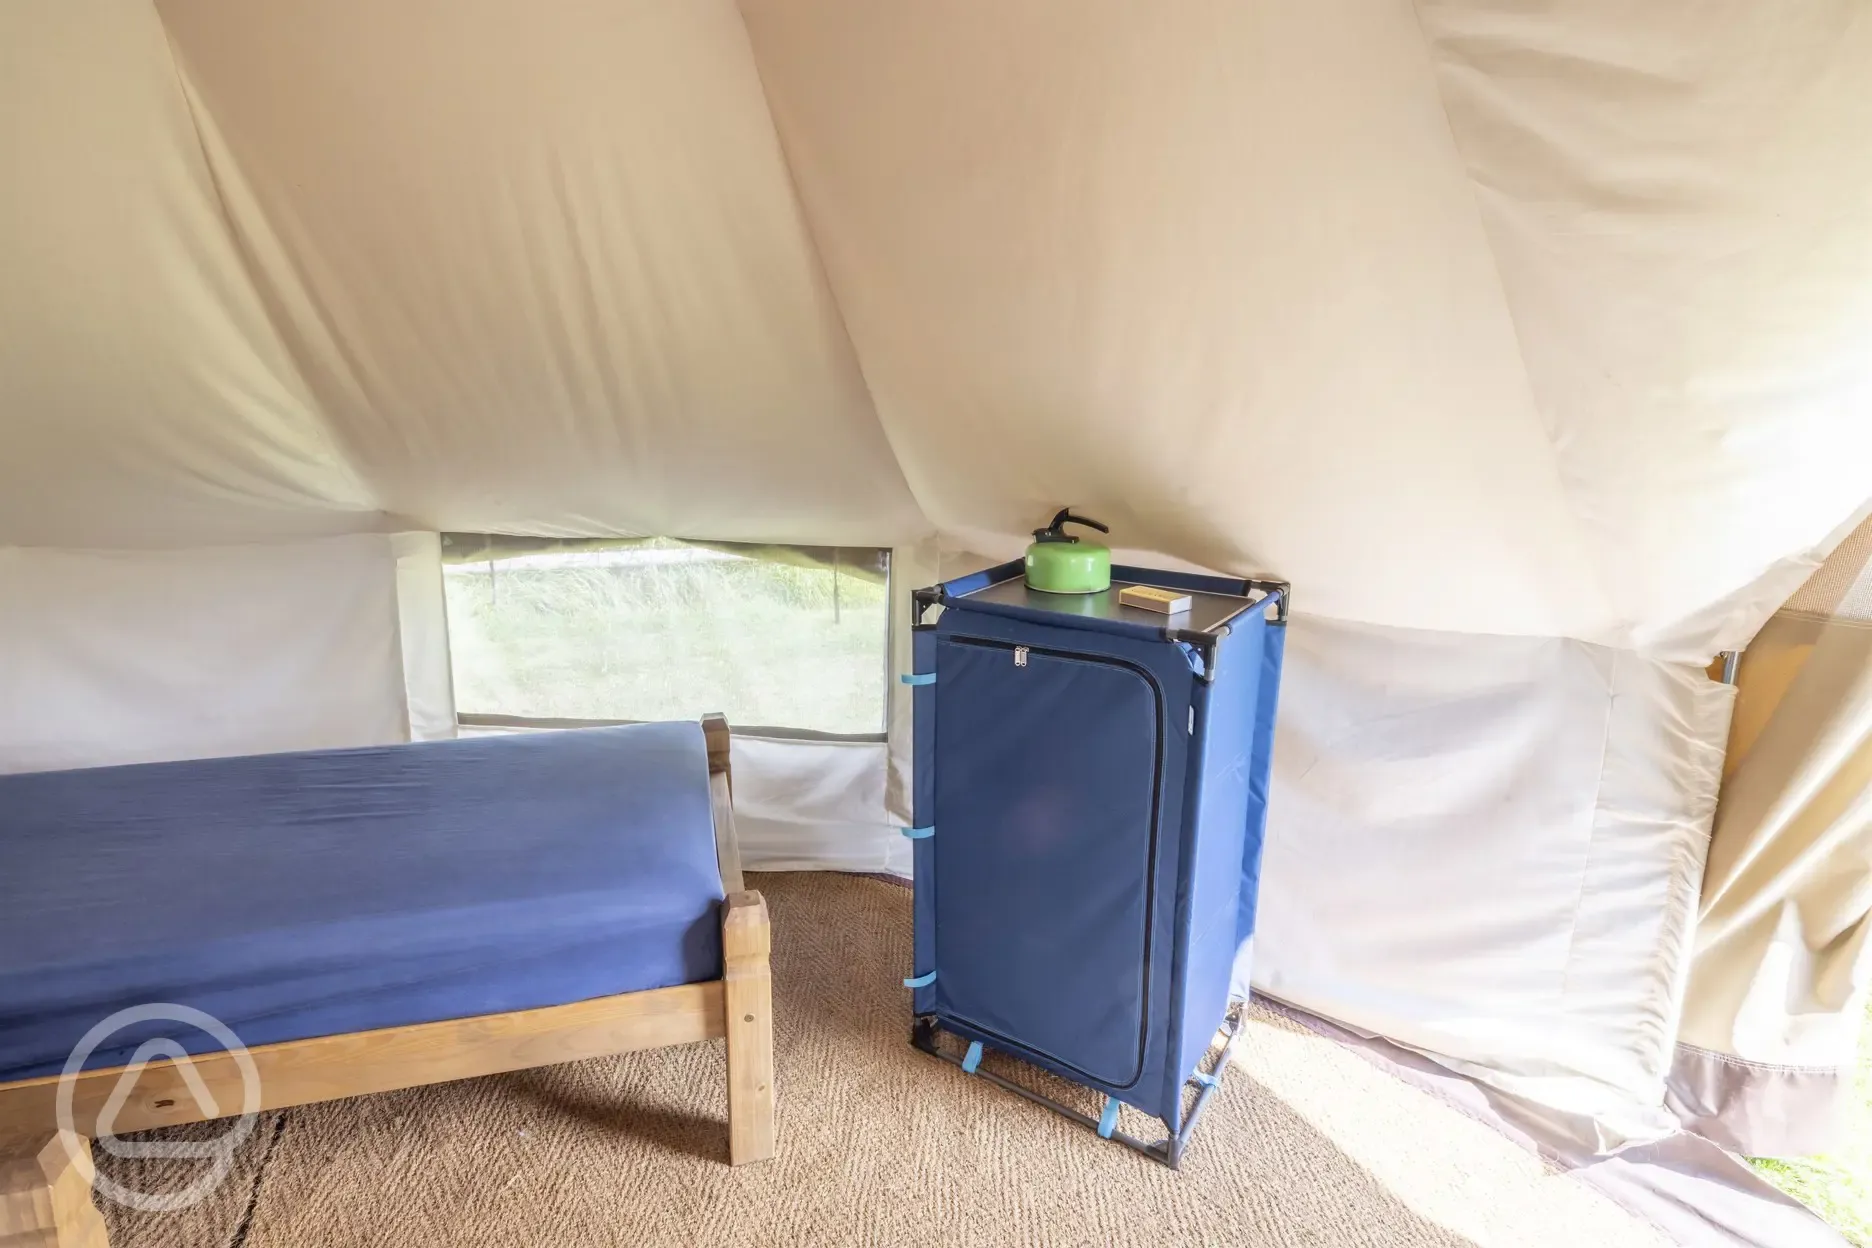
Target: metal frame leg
(1169,1150)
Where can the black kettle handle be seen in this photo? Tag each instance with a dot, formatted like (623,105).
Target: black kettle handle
(1064,517)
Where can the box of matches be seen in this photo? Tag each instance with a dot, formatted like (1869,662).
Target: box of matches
(1149,597)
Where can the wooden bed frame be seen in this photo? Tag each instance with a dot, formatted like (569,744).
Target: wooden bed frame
(45,1178)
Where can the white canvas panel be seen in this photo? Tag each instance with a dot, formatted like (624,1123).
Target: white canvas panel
(422,619)
(1488,848)
(542,265)
(142,656)
(814,805)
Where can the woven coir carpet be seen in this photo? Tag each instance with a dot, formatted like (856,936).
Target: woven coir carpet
(1306,1144)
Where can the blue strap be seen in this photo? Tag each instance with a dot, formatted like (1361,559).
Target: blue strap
(1207,1081)
(1108,1121)
(919,834)
(972,1058)
(921,981)
(918,678)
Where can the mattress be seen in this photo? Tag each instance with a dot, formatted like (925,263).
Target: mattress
(309,894)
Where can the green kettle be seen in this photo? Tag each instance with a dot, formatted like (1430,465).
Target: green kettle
(1059,562)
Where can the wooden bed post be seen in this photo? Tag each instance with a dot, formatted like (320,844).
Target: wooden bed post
(747,992)
(45,1198)
(721,801)
(747,981)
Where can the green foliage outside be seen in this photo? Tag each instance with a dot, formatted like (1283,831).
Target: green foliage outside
(669,632)
(1838,1187)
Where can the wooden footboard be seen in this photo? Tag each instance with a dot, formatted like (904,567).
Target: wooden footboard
(39,1173)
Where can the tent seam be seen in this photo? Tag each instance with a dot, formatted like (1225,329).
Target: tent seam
(250,271)
(1730,1059)
(1592,839)
(825,273)
(1622,626)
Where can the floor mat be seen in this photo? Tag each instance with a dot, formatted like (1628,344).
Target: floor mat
(879,1144)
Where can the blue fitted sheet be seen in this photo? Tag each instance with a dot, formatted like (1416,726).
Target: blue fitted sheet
(299,895)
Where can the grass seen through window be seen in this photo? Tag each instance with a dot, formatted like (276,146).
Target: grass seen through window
(663,630)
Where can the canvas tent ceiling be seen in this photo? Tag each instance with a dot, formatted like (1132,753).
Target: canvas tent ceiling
(1530,343)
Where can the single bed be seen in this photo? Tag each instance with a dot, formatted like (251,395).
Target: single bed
(363,920)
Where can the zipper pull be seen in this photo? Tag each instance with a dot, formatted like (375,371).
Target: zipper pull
(1020,656)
